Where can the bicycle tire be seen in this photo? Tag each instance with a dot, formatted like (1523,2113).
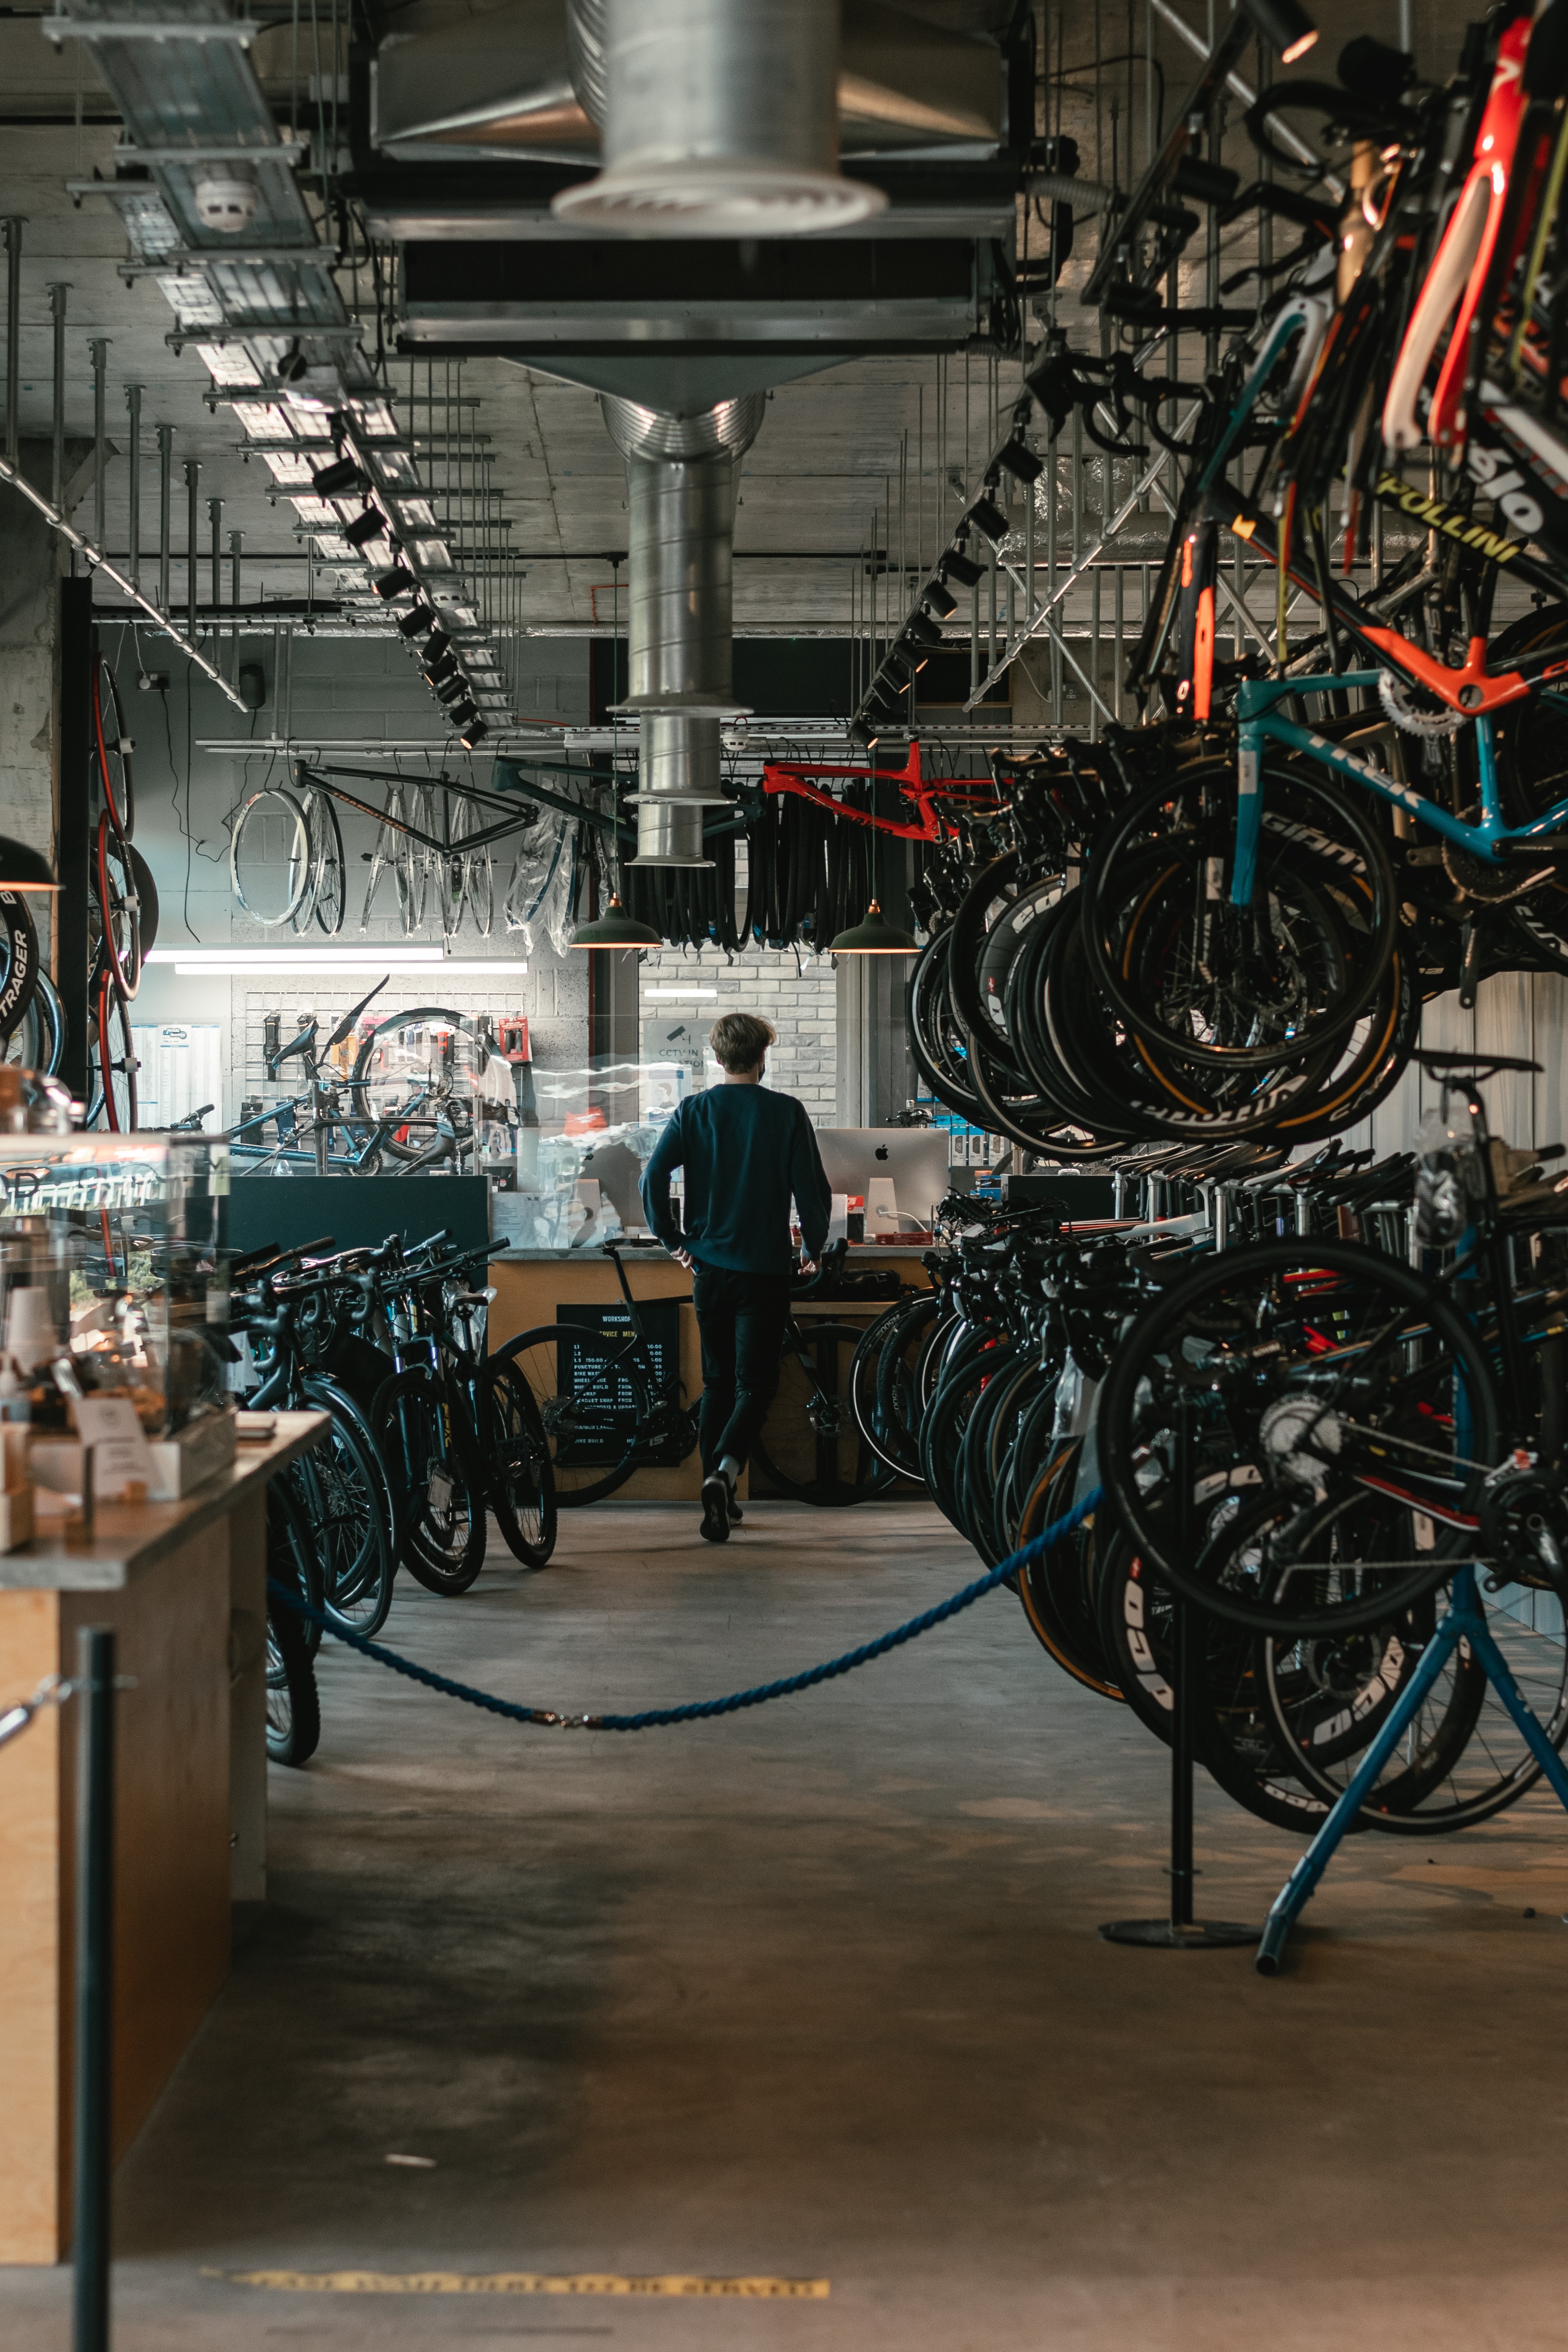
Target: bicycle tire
(19,944)
(444,1525)
(521,1477)
(830,1420)
(115,1057)
(881,1366)
(340,1489)
(119,908)
(111,748)
(292,1554)
(1136,1437)
(1256,1772)
(608,1414)
(293,1703)
(266,807)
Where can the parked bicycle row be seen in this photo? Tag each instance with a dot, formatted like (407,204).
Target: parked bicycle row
(433,1431)
(1314,1440)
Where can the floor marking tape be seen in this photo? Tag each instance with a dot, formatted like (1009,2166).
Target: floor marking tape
(527,2282)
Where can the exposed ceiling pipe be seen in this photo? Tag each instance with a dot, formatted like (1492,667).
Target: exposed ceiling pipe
(719,118)
(681,499)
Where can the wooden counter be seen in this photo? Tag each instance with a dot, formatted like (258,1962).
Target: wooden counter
(530,1285)
(184,1585)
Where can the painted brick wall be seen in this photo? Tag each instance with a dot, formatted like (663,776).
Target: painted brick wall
(799,999)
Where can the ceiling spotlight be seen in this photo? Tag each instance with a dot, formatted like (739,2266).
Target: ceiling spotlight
(462,714)
(1285,23)
(956,565)
(1020,462)
(395,583)
(904,658)
(988,519)
(444,665)
(474,732)
(923,629)
(421,617)
(365,527)
(436,643)
(452,690)
(937,597)
(340,479)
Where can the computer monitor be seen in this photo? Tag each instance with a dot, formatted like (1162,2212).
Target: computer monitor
(913,1158)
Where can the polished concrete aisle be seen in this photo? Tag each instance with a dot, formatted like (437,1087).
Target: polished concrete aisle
(815,1994)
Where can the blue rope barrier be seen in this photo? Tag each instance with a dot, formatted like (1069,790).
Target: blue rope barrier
(700,1711)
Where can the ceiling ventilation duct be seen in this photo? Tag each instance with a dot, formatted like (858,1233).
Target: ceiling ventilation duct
(680,486)
(719,118)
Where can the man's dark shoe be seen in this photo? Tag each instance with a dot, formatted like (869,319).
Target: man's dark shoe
(718,1502)
(736,1514)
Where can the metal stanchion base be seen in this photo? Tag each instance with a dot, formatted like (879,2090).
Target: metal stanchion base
(1199,1936)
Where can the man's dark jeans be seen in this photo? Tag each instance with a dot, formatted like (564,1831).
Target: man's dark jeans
(740,1318)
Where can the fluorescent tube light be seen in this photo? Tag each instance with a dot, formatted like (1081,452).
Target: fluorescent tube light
(283,961)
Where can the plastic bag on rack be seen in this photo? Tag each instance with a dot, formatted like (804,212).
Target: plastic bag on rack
(555,912)
(539,858)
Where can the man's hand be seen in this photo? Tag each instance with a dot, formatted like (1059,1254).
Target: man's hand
(808,1265)
(682,1257)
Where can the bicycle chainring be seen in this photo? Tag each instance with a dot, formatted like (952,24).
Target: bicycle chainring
(1398,705)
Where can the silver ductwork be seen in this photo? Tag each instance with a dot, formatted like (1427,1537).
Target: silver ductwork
(681,499)
(718,118)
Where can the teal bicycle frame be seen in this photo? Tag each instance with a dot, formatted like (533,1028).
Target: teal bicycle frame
(1257,702)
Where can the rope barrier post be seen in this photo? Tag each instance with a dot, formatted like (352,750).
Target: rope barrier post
(1181,1932)
(92,2151)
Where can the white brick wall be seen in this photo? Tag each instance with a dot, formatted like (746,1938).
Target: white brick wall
(801,1001)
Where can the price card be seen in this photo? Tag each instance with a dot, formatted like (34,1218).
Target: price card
(121,1457)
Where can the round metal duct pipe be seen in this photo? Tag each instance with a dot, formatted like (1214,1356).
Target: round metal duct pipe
(680,498)
(720,117)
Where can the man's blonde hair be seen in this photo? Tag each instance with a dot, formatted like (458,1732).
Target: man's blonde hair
(737,1040)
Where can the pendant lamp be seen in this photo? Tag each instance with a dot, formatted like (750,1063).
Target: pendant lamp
(873,936)
(616,929)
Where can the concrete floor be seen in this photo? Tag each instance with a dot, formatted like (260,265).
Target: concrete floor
(816,1994)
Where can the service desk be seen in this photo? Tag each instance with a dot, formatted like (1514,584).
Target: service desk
(531,1285)
(184,1585)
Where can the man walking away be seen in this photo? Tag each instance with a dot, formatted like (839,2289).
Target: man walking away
(746,1151)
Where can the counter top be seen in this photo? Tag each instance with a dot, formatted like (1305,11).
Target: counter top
(634,1254)
(128,1538)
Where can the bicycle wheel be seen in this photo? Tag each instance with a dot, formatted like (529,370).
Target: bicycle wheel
(331,886)
(339,1487)
(881,1381)
(1298,1367)
(1239,987)
(38,1040)
(269,856)
(114,1054)
(292,1555)
(1461,1759)
(19,970)
(810,1446)
(112,749)
(119,908)
(294,1705)
(594,1403)
(521,1478)
(1058,1592)
(1233,1738)
(444,1527)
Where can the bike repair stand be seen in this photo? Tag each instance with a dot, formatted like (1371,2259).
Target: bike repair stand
(1465,1621)
(1181,1932)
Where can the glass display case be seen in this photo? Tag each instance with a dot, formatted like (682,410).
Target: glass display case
(113,1275)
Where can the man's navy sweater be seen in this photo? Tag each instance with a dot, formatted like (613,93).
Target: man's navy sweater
(745,1150)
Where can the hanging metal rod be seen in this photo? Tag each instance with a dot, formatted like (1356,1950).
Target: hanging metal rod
(100,564)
